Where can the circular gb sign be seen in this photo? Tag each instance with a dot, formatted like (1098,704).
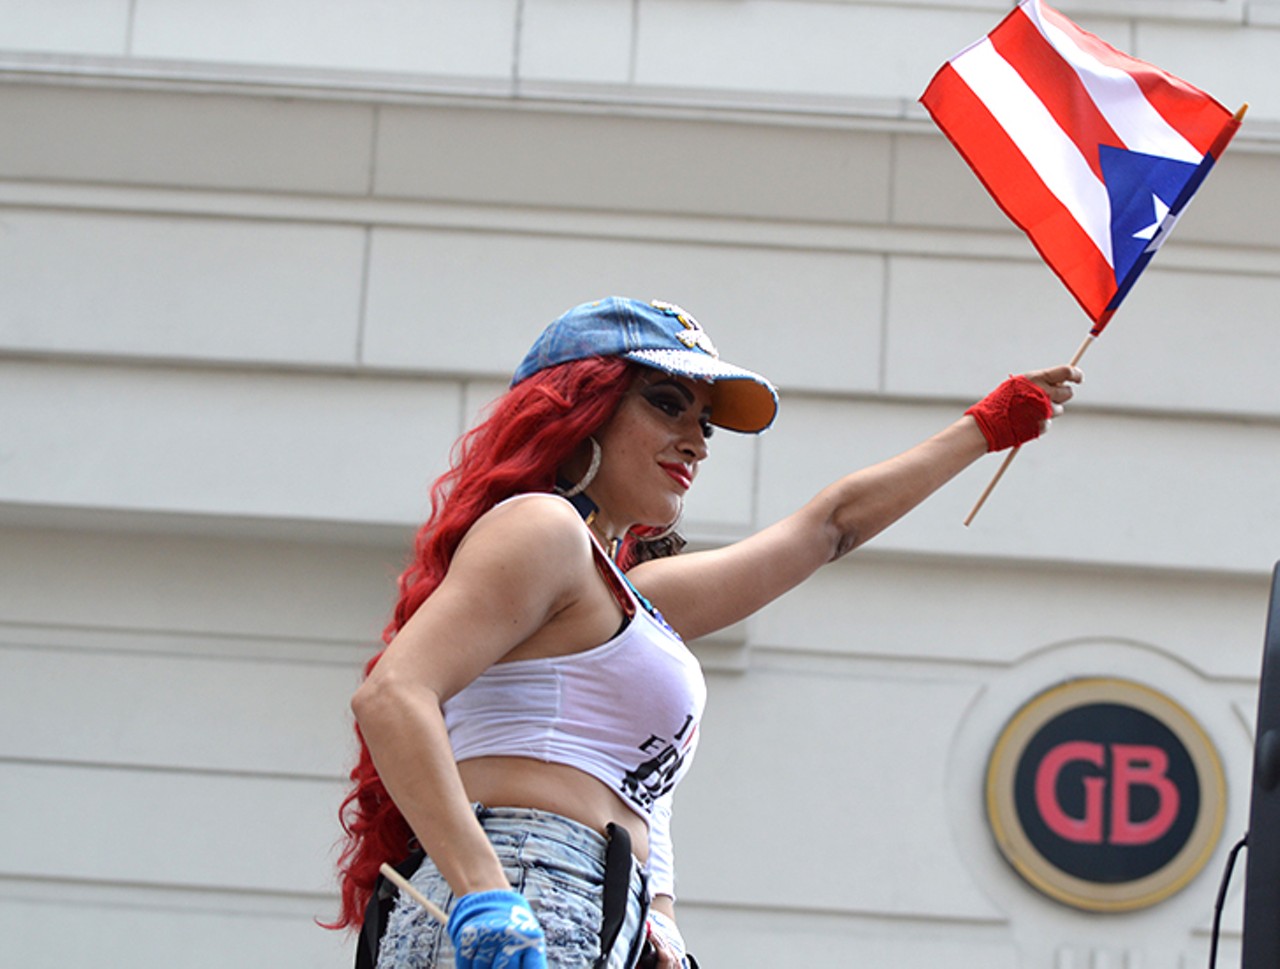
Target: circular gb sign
(1105,795)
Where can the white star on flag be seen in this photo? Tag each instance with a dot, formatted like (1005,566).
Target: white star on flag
(1158,231)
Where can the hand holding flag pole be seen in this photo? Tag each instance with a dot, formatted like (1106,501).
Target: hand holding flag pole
(1013,452)
(1092,153)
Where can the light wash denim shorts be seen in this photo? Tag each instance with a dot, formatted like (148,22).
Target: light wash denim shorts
(555,863)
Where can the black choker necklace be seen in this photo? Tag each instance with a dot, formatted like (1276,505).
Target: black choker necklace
(585,506)
(588,509)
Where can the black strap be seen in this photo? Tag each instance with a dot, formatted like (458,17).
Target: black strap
(378,911)
(649,959)
(617,885)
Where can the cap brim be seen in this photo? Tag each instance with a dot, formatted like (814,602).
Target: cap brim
(741,400)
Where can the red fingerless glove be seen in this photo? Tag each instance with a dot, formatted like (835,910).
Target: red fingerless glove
(1011,414)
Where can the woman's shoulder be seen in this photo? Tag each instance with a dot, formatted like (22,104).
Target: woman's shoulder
(533,524)
(535,508)
(533,499)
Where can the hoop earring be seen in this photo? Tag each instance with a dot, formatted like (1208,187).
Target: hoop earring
(592,470)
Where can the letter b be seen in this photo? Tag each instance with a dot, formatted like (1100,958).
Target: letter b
(1134,765)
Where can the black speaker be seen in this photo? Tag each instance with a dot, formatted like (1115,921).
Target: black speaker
(1261,949)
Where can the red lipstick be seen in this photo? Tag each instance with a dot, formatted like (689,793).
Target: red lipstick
(680,474)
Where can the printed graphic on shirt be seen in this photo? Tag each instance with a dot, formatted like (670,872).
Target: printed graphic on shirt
(658,775)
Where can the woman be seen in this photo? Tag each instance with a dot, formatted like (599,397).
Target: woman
(535,706)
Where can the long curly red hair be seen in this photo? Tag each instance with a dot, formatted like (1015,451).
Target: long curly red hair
(528,433)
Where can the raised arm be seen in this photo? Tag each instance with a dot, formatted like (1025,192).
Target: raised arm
(702,592)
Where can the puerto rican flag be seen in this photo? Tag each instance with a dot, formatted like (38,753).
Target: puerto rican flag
(1093,153)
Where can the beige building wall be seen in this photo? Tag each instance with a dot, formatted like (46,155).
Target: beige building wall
(260,263)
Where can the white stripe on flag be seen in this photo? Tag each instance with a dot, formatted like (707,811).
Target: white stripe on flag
(1117,95)
(1038,136)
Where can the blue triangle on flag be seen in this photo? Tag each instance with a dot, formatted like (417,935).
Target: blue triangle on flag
(1143,190)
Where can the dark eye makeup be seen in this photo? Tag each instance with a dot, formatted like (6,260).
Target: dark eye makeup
(674,399)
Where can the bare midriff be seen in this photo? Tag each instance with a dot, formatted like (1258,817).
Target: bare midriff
(557,788)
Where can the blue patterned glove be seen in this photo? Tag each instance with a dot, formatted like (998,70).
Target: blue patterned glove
(496,930)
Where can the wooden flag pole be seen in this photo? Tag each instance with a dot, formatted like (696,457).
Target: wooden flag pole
(982,499)
(402,883)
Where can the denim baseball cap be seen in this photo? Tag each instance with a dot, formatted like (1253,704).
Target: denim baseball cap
(659,335)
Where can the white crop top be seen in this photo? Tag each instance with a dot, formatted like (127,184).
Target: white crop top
(626,712)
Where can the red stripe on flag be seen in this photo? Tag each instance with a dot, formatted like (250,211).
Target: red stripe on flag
(1056,84)
(1193,113)
(1224,137)
(1019,191)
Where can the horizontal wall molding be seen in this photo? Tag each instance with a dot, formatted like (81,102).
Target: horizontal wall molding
(941,243)
(814,110)
(183,644)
